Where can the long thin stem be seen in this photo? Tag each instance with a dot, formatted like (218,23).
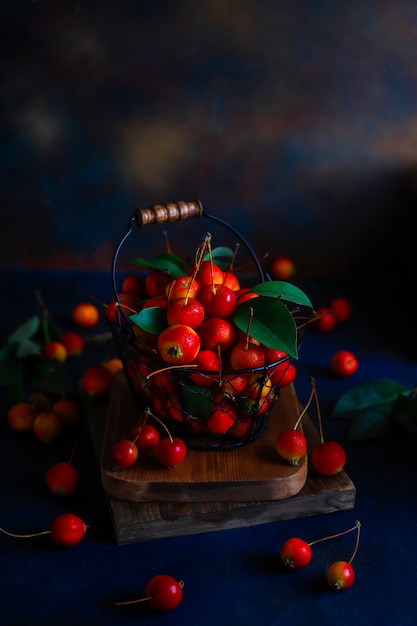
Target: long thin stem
(149,412)
(303,412)
(344,532)
(318,410)
(358,526)
(249,327)
(28,536)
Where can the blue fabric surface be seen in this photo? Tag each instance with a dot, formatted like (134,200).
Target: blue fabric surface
(231,577)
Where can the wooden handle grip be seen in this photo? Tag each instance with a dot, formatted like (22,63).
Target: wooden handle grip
(170,212)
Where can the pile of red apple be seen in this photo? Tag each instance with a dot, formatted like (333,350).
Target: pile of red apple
(202,350)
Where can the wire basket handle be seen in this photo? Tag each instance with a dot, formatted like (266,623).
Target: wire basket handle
(172,212)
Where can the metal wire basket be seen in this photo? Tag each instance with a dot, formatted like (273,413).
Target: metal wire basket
(209,411)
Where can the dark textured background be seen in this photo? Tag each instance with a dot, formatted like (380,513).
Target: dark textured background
(295,121)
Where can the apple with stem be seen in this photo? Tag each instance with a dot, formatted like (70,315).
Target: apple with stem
(328,457)
(162,592)
(123,454)
(182,287)
(218,300)
(170,451)
(296,553)
(291,443)
(216,333)
(66,530)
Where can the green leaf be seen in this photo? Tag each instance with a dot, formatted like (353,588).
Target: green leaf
(166,262)
(369,395)
(197,401)
(373,423)
(284,291)
(25,331)
(221,256)
(27,347)
(272,324)
(151,319)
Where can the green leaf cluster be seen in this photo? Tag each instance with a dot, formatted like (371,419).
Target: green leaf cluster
(22,364)
(373,408)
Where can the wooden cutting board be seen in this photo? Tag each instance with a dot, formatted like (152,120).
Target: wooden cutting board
(135,521)
(252,471)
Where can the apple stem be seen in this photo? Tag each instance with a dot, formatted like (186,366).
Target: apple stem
(127,602)
(230,268)
(149,412)
(9,534)
(249,327)
(356,527)
(46,317)
(98,338)
(137,600)
(303,412)
(261,258)
(170,292)
(199,255)
(93,297)
(219,353)
(313,382)
(167,244)
(171,367)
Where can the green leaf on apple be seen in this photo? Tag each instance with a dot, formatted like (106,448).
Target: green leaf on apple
(166,262)
(284,291)
(272,323)
(151,319)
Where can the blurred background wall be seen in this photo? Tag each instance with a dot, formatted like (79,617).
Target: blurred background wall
(296,121)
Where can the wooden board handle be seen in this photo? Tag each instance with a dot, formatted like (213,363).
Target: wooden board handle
(170,212)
